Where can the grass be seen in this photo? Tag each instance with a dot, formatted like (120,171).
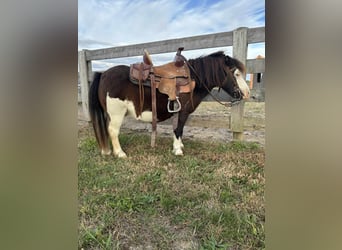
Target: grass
(211,198)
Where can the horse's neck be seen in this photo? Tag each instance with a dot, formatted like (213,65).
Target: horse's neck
(203,87)
(202,92)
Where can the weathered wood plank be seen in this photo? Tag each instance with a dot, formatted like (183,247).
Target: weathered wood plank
(195,42)
(237,120)
(240,44)
(90,72)
(256,35)
(189,43)
(84,82)
(239,52)
(255,66)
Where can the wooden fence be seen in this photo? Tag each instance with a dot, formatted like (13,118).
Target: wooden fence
(238,38)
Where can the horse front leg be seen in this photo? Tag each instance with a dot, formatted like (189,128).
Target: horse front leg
(178,133)
(177,145)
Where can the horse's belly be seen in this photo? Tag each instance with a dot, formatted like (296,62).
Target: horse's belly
(146,116)
(116,106)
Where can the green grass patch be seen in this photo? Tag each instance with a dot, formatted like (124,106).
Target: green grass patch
(210,198)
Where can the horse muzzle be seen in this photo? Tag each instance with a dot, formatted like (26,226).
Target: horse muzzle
(238,94)
(246,94)
(176,105)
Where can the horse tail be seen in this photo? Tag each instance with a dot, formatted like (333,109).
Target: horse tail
(97,113)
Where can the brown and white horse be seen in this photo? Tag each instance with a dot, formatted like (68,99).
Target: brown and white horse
(112,96)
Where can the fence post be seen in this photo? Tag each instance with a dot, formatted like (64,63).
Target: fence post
(84,76)
(240,44)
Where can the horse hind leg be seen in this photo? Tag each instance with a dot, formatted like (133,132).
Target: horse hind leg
(104,145)
(116,110)
(100,125)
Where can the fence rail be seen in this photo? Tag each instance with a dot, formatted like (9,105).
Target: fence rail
(255,35)
(239,39)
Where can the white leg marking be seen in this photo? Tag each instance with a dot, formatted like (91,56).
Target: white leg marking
(242,83)
(106,151)
(117,110)
(177,146)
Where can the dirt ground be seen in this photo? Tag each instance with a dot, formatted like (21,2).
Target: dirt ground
(210,121)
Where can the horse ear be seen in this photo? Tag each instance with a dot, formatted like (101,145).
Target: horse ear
(228,61)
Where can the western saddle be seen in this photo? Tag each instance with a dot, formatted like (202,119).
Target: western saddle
(171,79)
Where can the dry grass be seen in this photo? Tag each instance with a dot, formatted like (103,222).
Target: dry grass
(211,198)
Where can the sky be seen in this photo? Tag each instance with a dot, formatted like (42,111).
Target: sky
(110,23)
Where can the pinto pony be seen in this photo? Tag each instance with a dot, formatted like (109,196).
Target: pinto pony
(112,96)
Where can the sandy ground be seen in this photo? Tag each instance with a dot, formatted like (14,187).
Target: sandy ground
(210,121)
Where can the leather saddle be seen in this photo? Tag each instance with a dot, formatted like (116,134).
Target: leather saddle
(171,78)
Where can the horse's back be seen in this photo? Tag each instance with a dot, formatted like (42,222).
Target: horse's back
(120,72)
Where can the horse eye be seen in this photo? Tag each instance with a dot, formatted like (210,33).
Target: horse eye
(237,74)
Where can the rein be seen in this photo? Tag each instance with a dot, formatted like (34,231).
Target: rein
(226,104)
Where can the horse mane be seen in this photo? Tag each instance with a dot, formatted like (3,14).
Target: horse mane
(209,70)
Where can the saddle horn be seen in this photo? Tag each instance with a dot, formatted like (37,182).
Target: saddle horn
(147,58)
(179,58)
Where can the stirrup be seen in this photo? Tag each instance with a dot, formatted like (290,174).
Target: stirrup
(175,110)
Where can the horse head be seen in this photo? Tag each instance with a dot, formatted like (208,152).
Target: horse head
(235,84)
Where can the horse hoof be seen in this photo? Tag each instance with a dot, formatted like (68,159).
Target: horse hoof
(178,152)
(106,152)
(121,154)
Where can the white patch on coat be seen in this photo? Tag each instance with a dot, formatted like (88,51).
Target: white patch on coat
(117,110)
(146,116)
(242,83)
(177,146)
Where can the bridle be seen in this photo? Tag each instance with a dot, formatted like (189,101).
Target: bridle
(226,104)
